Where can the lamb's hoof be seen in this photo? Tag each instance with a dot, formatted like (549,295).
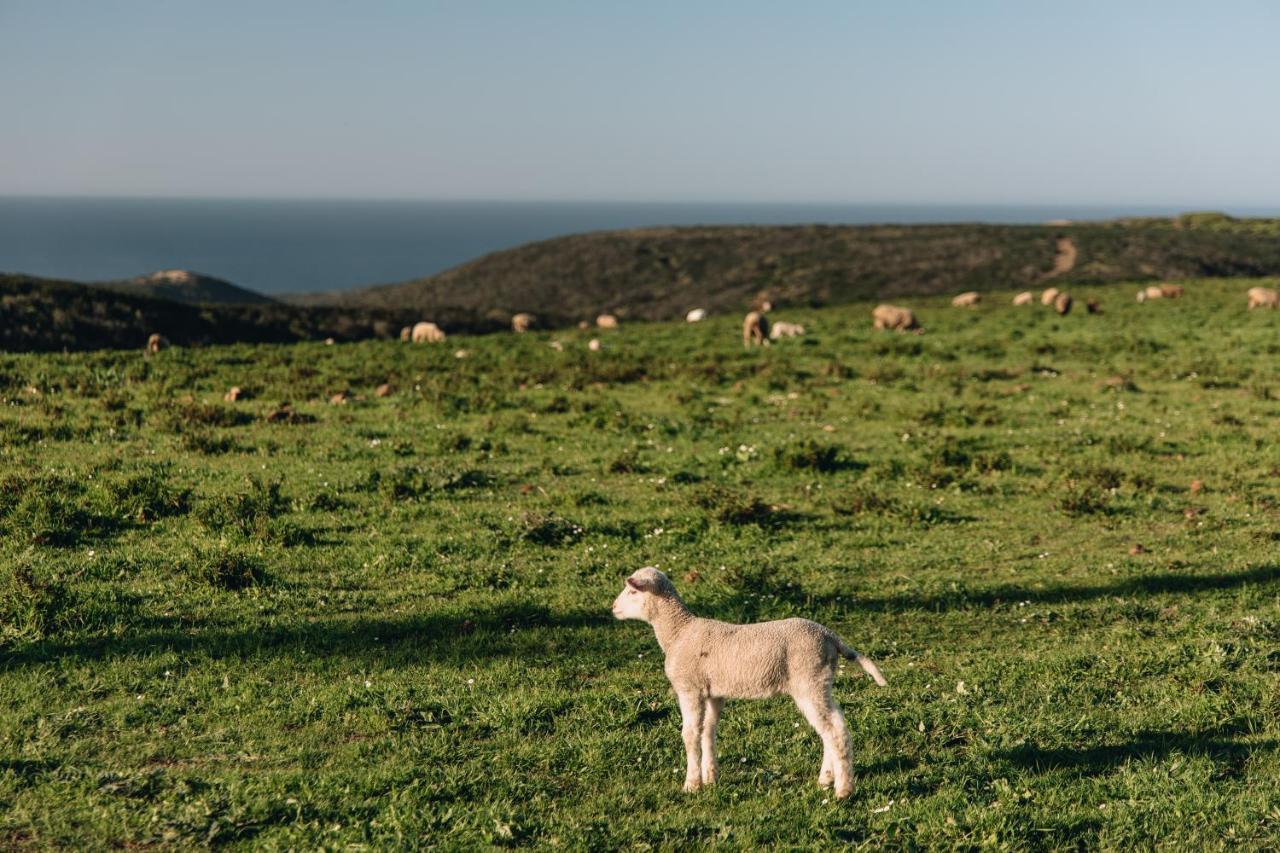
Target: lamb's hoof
(825,781)
(843,791)
(708,778)
(692,785)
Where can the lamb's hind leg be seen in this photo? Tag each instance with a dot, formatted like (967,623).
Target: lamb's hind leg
(710,720)
(692,709)
(825,716)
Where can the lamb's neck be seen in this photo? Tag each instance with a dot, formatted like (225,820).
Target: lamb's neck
(669,622)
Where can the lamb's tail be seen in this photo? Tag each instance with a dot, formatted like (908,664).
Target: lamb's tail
(868,666)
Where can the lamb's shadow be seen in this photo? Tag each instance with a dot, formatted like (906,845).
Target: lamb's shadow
(1090,760)
(484,633)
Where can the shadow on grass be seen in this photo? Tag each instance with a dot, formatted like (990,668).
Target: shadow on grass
(1175,583)
(486,632)
(1217,746)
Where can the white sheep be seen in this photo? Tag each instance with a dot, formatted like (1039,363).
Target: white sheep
(697,315)
(709,661)
(783,329)
(1026,297)
(426,332)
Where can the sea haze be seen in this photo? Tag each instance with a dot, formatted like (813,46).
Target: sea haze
(286,246)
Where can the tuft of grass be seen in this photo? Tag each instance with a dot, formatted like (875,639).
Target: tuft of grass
(227,569)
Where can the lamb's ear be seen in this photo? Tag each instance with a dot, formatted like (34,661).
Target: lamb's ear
(640,585)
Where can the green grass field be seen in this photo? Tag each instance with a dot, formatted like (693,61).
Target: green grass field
(385,624)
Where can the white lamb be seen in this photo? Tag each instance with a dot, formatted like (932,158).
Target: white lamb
(709,661)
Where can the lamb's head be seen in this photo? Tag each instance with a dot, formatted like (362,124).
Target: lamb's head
(646,590)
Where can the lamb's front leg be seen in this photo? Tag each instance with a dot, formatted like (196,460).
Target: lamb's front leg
(692,710)
(710,721)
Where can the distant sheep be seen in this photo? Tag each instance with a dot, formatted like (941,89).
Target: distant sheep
(783,329)
(697,315)
(156,342)
(1093,306)
(708,661)
(606,321)
(1048,296)
(891,317)
(1026,297)
(762,303)
(427,333)
(1263,297)
(521,323)
(1152,292)
(968,299)
(755,329)
(1062,304)
(406,334)
(1171,291)
(594,345)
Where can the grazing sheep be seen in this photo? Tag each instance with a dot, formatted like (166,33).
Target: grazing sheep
(697,315)
(1153,292)
(708,661)
(406,334)
(156,342)
(783,329)
(606,321)
(583,325)
(1026,297)
(1263,297)
(755,329)
(1171,291)
(891,317)
(521,323)
(968,299)
(1062,304)
(1048,296)
(427,333)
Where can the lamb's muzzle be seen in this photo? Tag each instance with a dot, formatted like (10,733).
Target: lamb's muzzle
(708,661)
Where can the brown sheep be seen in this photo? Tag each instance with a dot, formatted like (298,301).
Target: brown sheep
(1026,297)
(1171,291)
(156,342)
(521,323)
(1062,304)
(427,333)
(968,299)
(1049,296)
(755,330)
(1263,297)
(893,318)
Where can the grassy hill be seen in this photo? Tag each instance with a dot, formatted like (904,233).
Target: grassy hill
(660,273)
(385,624)
(43,314)
(189,287)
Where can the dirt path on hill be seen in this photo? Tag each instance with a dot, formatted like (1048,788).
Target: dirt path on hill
(1065,260)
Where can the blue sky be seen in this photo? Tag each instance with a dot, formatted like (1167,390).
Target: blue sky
(844,101)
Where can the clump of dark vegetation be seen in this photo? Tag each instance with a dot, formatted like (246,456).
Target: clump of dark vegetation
(550,530)
(33,600)
(226,568)
(1084,499)
(249,512)
(739,507)
(149,494)
(51,509)
(811,455)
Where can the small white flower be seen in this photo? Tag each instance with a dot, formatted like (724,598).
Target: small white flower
(368,683)
(471,681)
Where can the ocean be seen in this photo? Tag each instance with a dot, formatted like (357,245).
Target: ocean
(292,246)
